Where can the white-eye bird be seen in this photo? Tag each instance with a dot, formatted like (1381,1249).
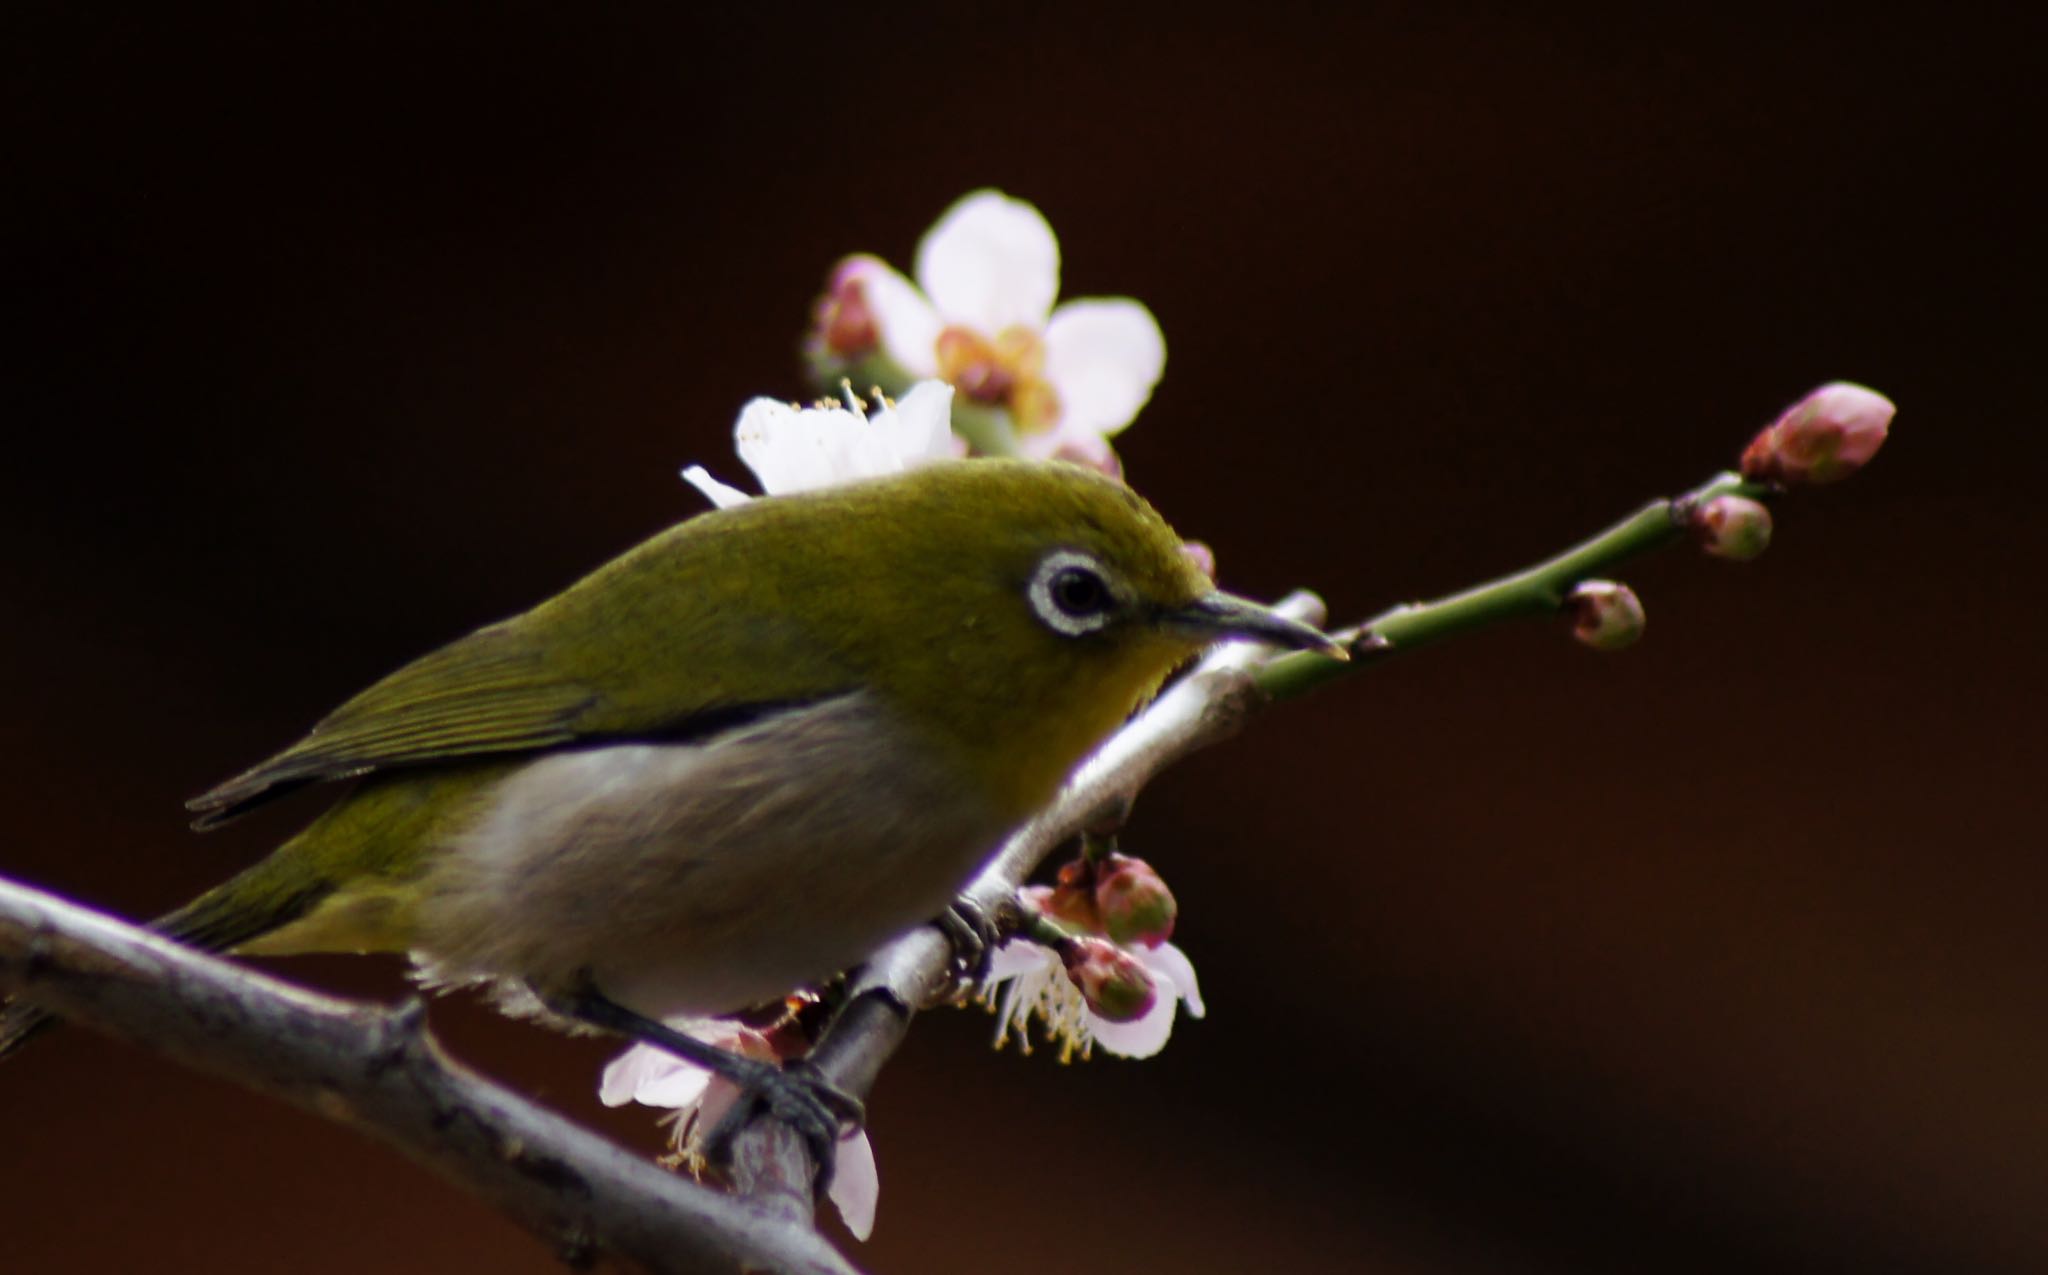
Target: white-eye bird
(736,759)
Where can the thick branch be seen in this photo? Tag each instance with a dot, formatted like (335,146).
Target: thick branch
(379,1070)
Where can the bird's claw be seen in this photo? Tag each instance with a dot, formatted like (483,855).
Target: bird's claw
(974,935)
(797,1095)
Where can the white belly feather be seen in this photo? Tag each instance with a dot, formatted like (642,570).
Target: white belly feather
(707,877)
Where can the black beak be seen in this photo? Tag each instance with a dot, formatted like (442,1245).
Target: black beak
(1223,615)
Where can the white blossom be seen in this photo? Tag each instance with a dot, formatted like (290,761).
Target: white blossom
(793,448)
(981,316)
(1027,980)
(698,1100)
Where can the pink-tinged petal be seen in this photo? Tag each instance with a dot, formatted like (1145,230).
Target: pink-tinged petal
(991,262)
(681,1085)
(624,1075)
(657,1078)
(718,493)
(906,323)
(1102,357)
(1141,1037)
(856,1186)
(1170,963)
(1080,448)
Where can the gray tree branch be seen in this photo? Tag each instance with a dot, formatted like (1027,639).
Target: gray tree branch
(378,1070)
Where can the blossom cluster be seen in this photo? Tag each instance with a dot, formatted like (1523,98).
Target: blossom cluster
(1019,375)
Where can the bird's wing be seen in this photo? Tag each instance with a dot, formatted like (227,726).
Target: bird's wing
(693,631)
(491,693)
(487,693)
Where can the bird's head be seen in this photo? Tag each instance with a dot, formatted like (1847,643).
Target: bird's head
(1025,609)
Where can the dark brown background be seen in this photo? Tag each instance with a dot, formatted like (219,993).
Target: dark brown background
(347,333)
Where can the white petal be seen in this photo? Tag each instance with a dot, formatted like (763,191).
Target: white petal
(1145,1036)
(1170,963)
(652,1076)
(791,449)
(989,263)
(906,322)
(921,427)
(680,1086)
(1019,956)
(624,1075)
(856,1186)
(716,492)
(1102,357)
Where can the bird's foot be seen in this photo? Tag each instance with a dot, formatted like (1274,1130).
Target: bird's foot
(796,1094)
(975,935)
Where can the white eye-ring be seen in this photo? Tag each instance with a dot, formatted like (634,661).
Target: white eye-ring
(1072,595)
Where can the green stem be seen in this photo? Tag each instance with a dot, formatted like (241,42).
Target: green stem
(1537,590)
(1043,930)
(988,429)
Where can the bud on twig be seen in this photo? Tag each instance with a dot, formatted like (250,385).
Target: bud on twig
(1113,982)
(1071,902)
(1732,527)
(1605,616)
(843,323)
(1823,438)
(1133,901)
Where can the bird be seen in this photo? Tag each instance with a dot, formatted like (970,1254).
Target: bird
(732,761)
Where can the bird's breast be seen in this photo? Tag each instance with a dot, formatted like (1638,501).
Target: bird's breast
(709,876)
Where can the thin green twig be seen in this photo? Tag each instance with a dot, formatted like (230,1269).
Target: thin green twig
(1534,591)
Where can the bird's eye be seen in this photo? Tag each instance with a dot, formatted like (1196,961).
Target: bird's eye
(1079,592)
(1071,595)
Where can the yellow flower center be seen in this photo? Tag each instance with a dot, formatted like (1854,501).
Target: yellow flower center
(1008,371)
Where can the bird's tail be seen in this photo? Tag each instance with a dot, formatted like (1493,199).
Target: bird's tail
(262,898)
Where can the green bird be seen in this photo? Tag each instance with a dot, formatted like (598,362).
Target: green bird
(733,761)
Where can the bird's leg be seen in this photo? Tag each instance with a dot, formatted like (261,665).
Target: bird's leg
(794,1093)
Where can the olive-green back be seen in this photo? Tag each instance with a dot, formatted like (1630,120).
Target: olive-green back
(912,585)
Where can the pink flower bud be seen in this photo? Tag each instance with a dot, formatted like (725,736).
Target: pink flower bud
(843,322)
(1605,616)
(1112,981)
(1823,438)
(1201,555)
(1134,903)
(1732,527)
